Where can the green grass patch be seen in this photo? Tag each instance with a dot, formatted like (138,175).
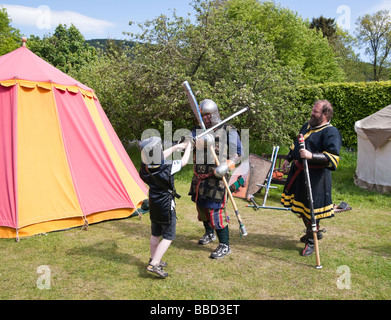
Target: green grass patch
(108,261)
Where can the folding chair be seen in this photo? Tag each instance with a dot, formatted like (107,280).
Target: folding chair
(268,186)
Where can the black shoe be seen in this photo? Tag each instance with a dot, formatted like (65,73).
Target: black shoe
(221,251)
(207,238)
(308,249)
(157,270)
(161,263)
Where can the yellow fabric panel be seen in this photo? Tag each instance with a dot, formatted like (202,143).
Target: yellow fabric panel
(7,83)
(111,214)
(46,85)
(45,187)
(49,226)
(134,191)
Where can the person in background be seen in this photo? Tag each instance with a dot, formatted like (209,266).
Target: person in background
(322,145)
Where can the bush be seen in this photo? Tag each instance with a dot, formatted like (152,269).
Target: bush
(351,101)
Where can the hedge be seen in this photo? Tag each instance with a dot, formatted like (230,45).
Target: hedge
(351,102)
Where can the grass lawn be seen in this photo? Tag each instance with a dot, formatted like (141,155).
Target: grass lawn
(108,260)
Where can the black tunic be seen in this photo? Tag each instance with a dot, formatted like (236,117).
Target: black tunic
(325,139)
(160,198)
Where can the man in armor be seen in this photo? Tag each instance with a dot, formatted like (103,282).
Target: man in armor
(207,188)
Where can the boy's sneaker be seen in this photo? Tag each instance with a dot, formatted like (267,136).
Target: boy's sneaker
(157,270)
(221,251)
(161,263)
(207,238)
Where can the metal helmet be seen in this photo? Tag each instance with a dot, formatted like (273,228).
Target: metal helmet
(152,151)
(210,107)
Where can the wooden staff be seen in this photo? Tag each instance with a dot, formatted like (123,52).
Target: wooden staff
(241,226)
(197,114)
(311,201)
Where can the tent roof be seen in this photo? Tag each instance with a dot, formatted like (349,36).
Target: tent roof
(22,64)
(377,126)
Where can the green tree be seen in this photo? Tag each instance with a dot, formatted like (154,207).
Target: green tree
(327,26)
(10,38)
(65,49)
(374,34)
(342,43)
(224,59)
(109,77)
(295,43)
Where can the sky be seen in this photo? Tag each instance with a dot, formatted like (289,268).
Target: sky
(109,19)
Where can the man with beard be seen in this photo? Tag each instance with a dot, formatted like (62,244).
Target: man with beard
(322,146)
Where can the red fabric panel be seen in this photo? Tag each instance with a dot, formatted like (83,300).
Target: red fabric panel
(8,146)
(120,148)
(96,180)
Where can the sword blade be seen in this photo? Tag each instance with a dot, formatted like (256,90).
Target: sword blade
(221,123)
(193,104)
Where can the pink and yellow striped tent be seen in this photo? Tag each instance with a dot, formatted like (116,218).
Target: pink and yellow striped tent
(61,163)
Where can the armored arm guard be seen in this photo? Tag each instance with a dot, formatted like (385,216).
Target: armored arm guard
(224,168)
(319,158)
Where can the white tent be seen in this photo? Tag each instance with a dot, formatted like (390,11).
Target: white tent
(374,151)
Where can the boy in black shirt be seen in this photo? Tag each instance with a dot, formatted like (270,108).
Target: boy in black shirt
(159,175)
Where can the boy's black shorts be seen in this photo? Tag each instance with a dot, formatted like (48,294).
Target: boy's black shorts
(168,231)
